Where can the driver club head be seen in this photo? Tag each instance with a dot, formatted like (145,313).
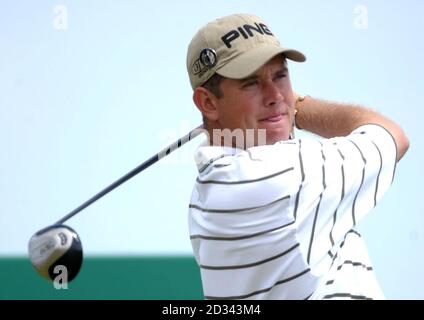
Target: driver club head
(53,246)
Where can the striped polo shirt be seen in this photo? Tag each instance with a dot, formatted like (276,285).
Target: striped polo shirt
(278,221)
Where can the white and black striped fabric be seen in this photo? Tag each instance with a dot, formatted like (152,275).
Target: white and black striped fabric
(278,222)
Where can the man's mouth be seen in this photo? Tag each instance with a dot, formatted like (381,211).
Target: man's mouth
(274,118)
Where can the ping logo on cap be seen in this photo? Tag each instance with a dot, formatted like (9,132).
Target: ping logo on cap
(245,31)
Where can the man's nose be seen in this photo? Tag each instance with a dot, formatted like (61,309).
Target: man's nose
(271,93)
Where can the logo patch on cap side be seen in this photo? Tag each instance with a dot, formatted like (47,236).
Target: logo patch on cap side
(208,57)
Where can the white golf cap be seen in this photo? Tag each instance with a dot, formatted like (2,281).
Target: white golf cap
(235,47)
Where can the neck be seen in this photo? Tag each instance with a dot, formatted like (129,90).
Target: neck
(235,138)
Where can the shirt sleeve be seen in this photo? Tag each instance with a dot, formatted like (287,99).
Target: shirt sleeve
(369,157)
(344,179)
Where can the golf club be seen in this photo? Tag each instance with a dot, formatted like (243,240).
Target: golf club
(59,245)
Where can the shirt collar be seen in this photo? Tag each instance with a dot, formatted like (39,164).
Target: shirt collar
(205,153)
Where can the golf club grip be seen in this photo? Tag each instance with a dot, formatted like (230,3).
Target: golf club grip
(180,142)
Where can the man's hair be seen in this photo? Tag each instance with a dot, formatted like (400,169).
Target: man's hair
(213,85)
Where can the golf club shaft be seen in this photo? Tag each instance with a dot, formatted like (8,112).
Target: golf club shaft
(192,134)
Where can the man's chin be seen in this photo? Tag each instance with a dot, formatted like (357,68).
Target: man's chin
(273,137)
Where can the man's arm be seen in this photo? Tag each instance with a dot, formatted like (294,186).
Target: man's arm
(331,119)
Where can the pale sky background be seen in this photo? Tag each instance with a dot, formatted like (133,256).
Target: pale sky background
(91,89)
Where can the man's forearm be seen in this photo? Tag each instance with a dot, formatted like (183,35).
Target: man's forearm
(330,119)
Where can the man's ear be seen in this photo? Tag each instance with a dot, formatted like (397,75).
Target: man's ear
(206,103)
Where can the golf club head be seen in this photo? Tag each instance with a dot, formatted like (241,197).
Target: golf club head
(56,245)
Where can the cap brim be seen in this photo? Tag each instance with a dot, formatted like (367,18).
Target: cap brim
(247,63)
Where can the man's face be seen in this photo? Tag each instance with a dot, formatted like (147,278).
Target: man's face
(261,101)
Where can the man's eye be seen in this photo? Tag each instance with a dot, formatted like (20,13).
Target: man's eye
(249,84)
(281,75)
